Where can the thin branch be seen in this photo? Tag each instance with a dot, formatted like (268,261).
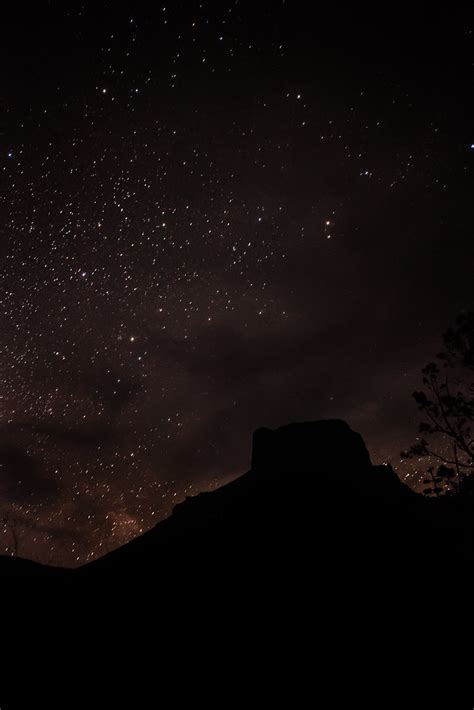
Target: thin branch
(456,435)
(444,460)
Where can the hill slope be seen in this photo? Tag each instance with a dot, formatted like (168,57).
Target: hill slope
(312,501)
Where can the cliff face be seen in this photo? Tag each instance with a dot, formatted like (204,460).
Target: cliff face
(311,501)
(328,452)
(328,446)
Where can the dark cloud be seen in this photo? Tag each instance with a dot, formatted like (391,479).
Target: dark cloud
(23,477)
(87,437)
(113,389)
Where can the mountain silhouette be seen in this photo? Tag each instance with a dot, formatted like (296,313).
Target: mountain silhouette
(312,501)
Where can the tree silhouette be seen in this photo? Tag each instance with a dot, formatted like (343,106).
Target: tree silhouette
(447,406)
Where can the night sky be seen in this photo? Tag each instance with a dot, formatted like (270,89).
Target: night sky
(216,216)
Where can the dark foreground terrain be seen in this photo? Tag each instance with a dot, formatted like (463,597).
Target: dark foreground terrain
(311,503)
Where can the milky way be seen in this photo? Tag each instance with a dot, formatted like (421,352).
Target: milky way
(215,217)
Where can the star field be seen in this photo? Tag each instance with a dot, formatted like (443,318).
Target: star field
(215,217)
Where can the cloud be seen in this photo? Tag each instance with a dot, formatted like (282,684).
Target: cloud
(87,437)
(23,477)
